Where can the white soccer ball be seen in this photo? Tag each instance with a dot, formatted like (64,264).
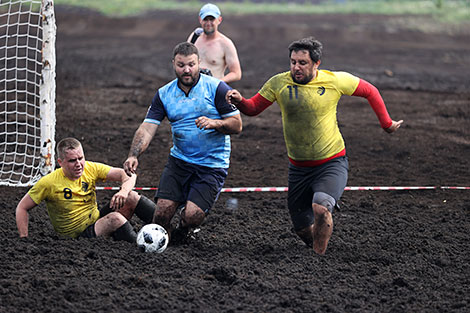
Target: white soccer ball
(152,238)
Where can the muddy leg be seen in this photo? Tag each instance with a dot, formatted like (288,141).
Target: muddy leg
(322,228)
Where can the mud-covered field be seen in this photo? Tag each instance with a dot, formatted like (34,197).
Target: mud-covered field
(391,251)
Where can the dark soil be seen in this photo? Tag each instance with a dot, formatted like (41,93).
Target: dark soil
(391,251)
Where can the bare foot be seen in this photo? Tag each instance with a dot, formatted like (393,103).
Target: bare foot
(322,228)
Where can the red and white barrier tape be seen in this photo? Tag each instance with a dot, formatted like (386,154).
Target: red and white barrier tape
(284,189)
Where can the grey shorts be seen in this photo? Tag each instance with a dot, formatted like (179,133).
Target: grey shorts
(330,178)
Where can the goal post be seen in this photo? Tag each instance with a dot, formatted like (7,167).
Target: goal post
(27,91)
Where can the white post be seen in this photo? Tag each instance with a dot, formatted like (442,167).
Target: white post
(47,88)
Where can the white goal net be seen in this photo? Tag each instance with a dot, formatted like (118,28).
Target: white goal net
(27,91)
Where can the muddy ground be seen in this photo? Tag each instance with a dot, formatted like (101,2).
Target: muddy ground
(391,251)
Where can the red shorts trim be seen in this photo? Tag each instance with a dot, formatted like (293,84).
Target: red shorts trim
(313,163)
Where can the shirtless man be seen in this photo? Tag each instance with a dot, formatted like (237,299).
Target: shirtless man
(217,52)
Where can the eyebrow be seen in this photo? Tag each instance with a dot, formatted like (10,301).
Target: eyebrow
(73,160)
(183,63)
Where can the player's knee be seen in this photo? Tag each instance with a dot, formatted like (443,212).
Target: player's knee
(324,200)
(115,220)
(164,212)
(192,216)
(161,216)
(164,205)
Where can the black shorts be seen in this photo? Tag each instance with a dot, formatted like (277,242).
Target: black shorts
(89,232)
(330,178)
(182,181)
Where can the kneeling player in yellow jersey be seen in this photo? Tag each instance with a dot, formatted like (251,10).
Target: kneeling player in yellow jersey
(69,193)
(318,169)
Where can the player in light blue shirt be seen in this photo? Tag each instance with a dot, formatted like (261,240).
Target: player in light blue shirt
(201,121)
(206,147)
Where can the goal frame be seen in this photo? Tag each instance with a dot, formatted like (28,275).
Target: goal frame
(47,88)
(20,169)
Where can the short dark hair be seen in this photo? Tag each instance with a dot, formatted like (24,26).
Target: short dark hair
(185,48)
(66,144)
(310,44)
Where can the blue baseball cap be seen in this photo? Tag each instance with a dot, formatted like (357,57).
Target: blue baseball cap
(209,10)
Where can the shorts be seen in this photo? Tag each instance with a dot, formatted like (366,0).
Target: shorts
(330,178)
(89,232)
(182,181)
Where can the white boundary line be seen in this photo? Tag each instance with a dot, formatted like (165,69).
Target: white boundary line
(284,189)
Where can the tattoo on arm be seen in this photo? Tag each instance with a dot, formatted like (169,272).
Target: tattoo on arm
(136,147)
(142,138)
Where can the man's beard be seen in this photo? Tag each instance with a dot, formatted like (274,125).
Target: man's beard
(304,81)
(187,83)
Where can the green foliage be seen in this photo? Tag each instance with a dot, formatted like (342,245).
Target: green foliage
(450,10)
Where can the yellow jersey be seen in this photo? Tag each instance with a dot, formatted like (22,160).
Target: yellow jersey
(71,205)
(309,120)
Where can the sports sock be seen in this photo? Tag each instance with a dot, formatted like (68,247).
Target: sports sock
(145,209)
(105,210)
(126,232)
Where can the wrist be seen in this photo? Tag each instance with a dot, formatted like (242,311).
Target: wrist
(125,189)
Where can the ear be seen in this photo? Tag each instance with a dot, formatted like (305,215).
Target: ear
(59,161)
(220,19)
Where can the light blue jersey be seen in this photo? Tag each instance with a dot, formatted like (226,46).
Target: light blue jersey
(207,98)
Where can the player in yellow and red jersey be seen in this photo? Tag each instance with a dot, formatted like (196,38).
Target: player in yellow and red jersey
(70,196)
(318,169)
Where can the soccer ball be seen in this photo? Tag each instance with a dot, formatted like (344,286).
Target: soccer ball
(152,238)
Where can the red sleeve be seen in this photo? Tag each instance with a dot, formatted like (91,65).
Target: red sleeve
(253,106)
(370,92)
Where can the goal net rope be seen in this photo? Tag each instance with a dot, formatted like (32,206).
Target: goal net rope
(27,91)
